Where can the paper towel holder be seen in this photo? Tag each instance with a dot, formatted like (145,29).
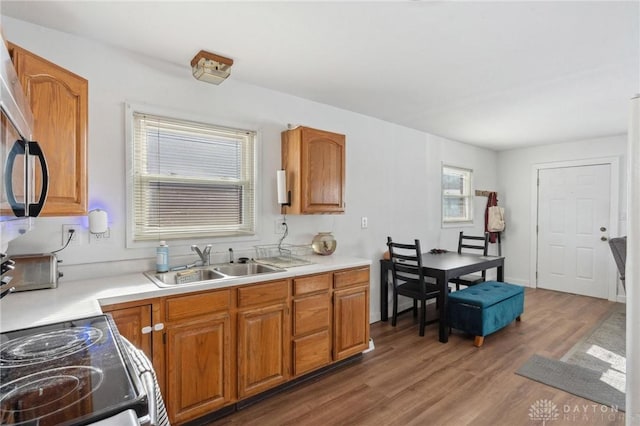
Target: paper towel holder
(98,221)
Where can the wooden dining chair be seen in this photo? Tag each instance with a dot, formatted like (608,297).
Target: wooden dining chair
(472,244)
(619,250)
(409,280)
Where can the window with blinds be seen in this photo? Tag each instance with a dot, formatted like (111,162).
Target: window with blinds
(191,180)
(456,195)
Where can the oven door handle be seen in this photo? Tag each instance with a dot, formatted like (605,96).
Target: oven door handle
(148,382)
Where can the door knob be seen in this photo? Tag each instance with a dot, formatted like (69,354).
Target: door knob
(603,238)
(602,229)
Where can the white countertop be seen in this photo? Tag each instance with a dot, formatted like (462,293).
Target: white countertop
(79,299)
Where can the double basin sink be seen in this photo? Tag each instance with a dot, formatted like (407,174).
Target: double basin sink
(202,274)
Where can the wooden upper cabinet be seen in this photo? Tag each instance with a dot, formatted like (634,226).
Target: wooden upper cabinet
(314,161)
(59,102)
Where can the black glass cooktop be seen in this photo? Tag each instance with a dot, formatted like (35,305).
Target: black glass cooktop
(68,373)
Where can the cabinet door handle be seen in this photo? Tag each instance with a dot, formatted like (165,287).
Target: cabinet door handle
(147,329)
(158,327)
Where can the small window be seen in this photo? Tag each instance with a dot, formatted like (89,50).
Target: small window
(190,180)
(456,195)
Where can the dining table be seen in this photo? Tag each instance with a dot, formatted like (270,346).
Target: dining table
(443,266)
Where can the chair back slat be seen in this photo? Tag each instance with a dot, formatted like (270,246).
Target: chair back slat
(466,242)
(406,262)
(409,280)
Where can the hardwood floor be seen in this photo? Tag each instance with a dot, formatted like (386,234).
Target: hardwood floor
(413,380)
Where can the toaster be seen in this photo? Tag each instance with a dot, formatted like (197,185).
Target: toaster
(35,271)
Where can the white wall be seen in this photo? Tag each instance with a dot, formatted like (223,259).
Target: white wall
(515,187)
(393,173)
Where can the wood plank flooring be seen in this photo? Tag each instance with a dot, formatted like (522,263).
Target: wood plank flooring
(413,380)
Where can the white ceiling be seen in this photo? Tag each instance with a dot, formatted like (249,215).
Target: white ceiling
(495,74)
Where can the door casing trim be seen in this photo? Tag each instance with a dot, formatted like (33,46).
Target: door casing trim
(614,163)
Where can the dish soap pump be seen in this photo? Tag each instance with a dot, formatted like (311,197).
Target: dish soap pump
(162,257)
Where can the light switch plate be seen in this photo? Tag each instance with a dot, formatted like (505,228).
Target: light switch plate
(364,222)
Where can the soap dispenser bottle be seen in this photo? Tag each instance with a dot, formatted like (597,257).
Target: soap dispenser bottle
(162,257)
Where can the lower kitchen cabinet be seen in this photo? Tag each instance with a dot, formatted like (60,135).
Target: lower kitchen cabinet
(263,337)
(134,323)
(350,312)
(214,348)
(311,330)
(141,323)
(198,354)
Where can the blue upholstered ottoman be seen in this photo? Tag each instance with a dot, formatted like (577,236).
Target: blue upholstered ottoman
(485,308)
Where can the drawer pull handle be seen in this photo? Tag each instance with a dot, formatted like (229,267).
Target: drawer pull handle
(158,327)
(147,329)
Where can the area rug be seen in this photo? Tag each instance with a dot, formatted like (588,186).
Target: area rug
(594,368)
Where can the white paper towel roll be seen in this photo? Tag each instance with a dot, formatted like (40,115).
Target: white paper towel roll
(281,176)
(98,221)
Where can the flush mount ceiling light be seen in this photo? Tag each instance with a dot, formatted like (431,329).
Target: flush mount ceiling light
(209,67)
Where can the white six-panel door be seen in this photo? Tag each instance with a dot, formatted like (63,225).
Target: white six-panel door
(573,229)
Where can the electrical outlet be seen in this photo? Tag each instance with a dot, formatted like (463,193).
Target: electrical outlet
(364,222)
(75,236)
(279,227)
(100,238)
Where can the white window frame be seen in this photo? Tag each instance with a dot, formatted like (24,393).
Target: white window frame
(135,239)
(466,195)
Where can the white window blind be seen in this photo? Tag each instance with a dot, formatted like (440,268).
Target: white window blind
(456,195)
(191,179)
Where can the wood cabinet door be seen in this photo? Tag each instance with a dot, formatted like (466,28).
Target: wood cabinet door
(59,102)
(139,322)
(130,323)
(350,321)
(323,171)
(263,349)
(314,161)
(198,367)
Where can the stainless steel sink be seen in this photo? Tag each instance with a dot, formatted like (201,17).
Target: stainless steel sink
(242,269)
(211,273)
(187,276)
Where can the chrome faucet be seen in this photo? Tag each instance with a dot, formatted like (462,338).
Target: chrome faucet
(230,255)
(204,255)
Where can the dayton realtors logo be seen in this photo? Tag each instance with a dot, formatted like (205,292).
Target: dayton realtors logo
(543,410)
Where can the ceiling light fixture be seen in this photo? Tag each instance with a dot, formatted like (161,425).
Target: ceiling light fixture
(209,67)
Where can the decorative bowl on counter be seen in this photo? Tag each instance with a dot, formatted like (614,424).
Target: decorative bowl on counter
(324,243)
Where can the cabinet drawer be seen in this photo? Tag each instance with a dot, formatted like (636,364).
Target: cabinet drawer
(311,284)
(351,277)
(311,313)
(260,294)
(197,304)
(311,352)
